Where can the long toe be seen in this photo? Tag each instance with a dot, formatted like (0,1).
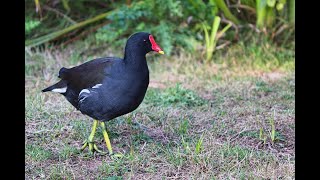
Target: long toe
(92,147)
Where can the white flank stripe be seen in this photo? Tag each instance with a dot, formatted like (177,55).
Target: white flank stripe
(60,90)
(83,99)
(84,91)
(97,86)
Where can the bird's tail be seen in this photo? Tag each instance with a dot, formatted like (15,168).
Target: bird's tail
(60,87)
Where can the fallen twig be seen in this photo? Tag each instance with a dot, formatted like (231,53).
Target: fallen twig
(59,13)
(85,33)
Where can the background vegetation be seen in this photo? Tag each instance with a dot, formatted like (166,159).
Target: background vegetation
(220,104)
(192,24)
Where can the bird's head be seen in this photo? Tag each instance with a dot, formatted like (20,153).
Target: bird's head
(144,41)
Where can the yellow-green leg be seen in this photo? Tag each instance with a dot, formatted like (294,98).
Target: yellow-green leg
(93,146)
(90,142)
(106,137)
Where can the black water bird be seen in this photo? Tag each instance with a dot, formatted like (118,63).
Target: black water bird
(108,87)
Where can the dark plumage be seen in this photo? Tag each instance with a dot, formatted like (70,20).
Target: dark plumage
(106,88)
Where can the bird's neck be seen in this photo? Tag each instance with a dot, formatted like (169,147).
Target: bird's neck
(135,57)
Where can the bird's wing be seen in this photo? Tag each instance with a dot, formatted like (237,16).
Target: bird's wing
(86,75)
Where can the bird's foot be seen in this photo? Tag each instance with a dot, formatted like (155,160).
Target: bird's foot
(92,147)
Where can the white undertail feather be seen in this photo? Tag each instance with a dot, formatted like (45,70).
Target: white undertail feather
(84,91)
(97,86)
(60,90)
(81,98)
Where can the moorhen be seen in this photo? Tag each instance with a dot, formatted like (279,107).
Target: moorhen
(108,87)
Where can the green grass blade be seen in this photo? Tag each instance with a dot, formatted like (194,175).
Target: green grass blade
(291,10)
(212,40)
(199,145)
(66,5)
(261,13)
(37,3)
(273,130)
(214,30)
(225,28)
(222,5)
(270,16)
(206,35)
(261,133)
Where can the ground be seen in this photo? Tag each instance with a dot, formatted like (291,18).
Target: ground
(201,121)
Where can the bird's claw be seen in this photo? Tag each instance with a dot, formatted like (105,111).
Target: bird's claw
(92,147)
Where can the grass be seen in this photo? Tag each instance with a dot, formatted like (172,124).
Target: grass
(232,119)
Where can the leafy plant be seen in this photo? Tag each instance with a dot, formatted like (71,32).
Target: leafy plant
(291,11)
(211,40)
(200,11)
(157,17)
(30,25)
(175,24)
(272,133)
(266,12)
(223,7)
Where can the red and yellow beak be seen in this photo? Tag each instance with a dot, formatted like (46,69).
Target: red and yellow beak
(155,46)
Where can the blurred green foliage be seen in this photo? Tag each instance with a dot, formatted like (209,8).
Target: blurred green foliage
(29,25)
(154,16)
(175,24)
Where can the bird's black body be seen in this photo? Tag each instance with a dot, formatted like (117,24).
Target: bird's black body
(106,88)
